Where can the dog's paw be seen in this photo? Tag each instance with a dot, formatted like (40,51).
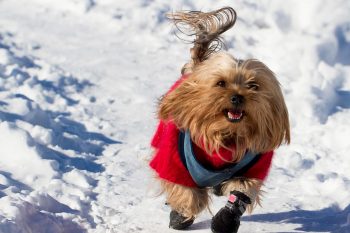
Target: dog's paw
(225,222)
(178,221)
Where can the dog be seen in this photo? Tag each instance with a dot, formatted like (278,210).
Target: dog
(219,125)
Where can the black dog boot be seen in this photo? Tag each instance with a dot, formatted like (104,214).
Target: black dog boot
(227,220)
(178,221)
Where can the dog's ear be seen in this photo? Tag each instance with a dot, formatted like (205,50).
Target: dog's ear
(206,28)
(285,123)
(281,128)
(271,112)
(173,104)
(166,105)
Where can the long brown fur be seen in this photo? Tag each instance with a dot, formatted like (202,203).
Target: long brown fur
(198,104)
(187,201)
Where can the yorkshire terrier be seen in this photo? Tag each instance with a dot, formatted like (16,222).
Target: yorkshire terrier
(219,125)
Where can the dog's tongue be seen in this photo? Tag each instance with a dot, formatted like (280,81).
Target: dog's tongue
(234,114)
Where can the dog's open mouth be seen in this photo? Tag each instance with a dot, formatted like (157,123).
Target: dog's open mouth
(234,115)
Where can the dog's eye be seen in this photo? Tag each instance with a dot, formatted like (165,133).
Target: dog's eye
(252,86)
(221,84)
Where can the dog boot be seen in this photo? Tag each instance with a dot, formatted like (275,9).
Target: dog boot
(227,220)
(178,221)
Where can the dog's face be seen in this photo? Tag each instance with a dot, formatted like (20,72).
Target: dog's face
(224,104)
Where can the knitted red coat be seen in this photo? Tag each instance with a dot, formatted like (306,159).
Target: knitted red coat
(168,165)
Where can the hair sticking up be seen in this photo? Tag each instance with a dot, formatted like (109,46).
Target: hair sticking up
(207,28)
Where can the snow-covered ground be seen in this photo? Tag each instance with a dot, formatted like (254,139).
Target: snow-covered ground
(79,82)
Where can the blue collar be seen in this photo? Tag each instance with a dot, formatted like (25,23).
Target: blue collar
(205,177)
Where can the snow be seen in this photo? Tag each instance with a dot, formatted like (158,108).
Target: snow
(79,85)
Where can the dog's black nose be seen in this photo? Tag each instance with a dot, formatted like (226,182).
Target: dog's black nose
(237,99)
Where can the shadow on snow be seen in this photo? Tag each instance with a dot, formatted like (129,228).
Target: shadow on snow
(326,220)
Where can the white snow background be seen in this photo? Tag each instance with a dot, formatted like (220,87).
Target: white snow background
(79,82)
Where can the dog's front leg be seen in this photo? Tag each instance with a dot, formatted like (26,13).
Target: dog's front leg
(243,193)
(186,203)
